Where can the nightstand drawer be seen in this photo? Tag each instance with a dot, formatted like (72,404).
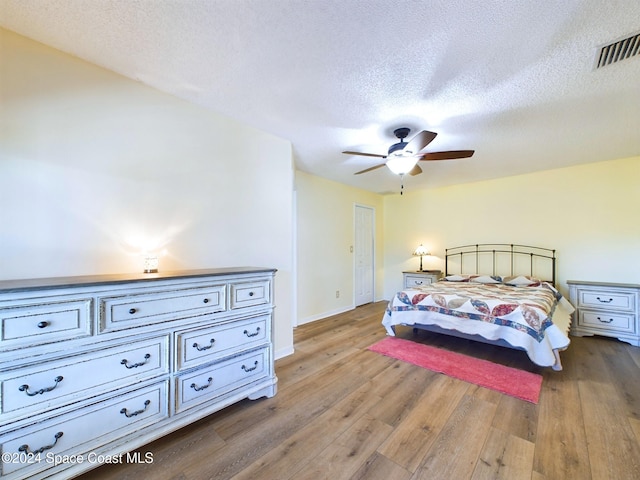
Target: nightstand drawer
(419,279)
(607,321)
(416,281)
(604,299)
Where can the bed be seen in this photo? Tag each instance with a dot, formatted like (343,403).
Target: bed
(510,304)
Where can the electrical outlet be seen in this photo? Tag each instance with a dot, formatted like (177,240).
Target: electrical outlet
(337,293)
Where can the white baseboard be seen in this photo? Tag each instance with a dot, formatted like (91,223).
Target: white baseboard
(283,352)
(324,315)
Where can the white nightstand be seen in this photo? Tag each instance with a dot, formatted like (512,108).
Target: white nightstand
(418,279)
(609,309)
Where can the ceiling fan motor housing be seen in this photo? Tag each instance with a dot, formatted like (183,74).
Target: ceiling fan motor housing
(396,147)
(401,133)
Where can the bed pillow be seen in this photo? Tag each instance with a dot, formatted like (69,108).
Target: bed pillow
(457,278)
(485,279)
(521,281)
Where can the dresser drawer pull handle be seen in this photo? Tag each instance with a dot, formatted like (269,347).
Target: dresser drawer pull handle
(125,362)
(137,412)
(206,300)
(604,301)
(605,321)
(26,449)
(132,311)
(250,369)
(43,324)
(418,282)
(25,388)
(252,334)
(206,347)
(197,389)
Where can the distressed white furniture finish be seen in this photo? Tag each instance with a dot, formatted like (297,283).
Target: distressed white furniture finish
(417,279)
(92,368)
(609,309)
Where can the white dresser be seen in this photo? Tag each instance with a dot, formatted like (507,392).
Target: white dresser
(609,309)
(417,279)
(92,368)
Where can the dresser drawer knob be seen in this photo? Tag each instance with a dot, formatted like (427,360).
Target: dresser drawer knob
(25,388)
(252,334)
(125,362)
(26,449)
(605,321)
(206,300)
(206,347)
(604,301)
(418,282)
(250,369)
(132,311)
(137,412)
(197,389)
(43,324)
(251,294)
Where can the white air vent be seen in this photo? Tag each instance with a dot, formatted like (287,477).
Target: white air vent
(618,51)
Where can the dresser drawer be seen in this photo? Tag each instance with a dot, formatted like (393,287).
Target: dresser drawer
(37,324)
(76,433)
(55,383)
(249,294)
(609,321)
(203,345)
(206,383)
(606,299)
(144,309)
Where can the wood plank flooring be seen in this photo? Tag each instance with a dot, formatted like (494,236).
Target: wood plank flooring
(343,412)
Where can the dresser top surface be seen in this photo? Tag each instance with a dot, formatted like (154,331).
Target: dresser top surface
(7,286)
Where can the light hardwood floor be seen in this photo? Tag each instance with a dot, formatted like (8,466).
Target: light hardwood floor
(343,412)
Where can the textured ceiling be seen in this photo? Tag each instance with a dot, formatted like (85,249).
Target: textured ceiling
(513,80)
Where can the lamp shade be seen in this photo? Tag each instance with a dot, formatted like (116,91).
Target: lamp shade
(421,250)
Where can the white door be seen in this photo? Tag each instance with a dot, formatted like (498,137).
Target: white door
(364,254)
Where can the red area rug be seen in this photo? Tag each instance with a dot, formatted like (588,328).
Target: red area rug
(510,381)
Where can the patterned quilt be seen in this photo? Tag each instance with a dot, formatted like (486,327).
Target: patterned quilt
(521,316)
(528,309)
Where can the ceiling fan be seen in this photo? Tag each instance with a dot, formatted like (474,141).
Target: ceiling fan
(403,157)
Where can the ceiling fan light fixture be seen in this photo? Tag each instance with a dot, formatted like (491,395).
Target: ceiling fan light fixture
(401,165)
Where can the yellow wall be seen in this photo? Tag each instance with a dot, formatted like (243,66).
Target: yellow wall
(95,168)
(325,226)
(588,213)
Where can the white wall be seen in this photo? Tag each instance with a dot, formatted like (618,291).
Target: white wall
(325,226)
(95,168)
(588,213)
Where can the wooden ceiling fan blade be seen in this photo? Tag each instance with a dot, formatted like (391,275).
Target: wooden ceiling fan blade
(370,168)
(420,141)
(365,154)
(449,155)
(415,170)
